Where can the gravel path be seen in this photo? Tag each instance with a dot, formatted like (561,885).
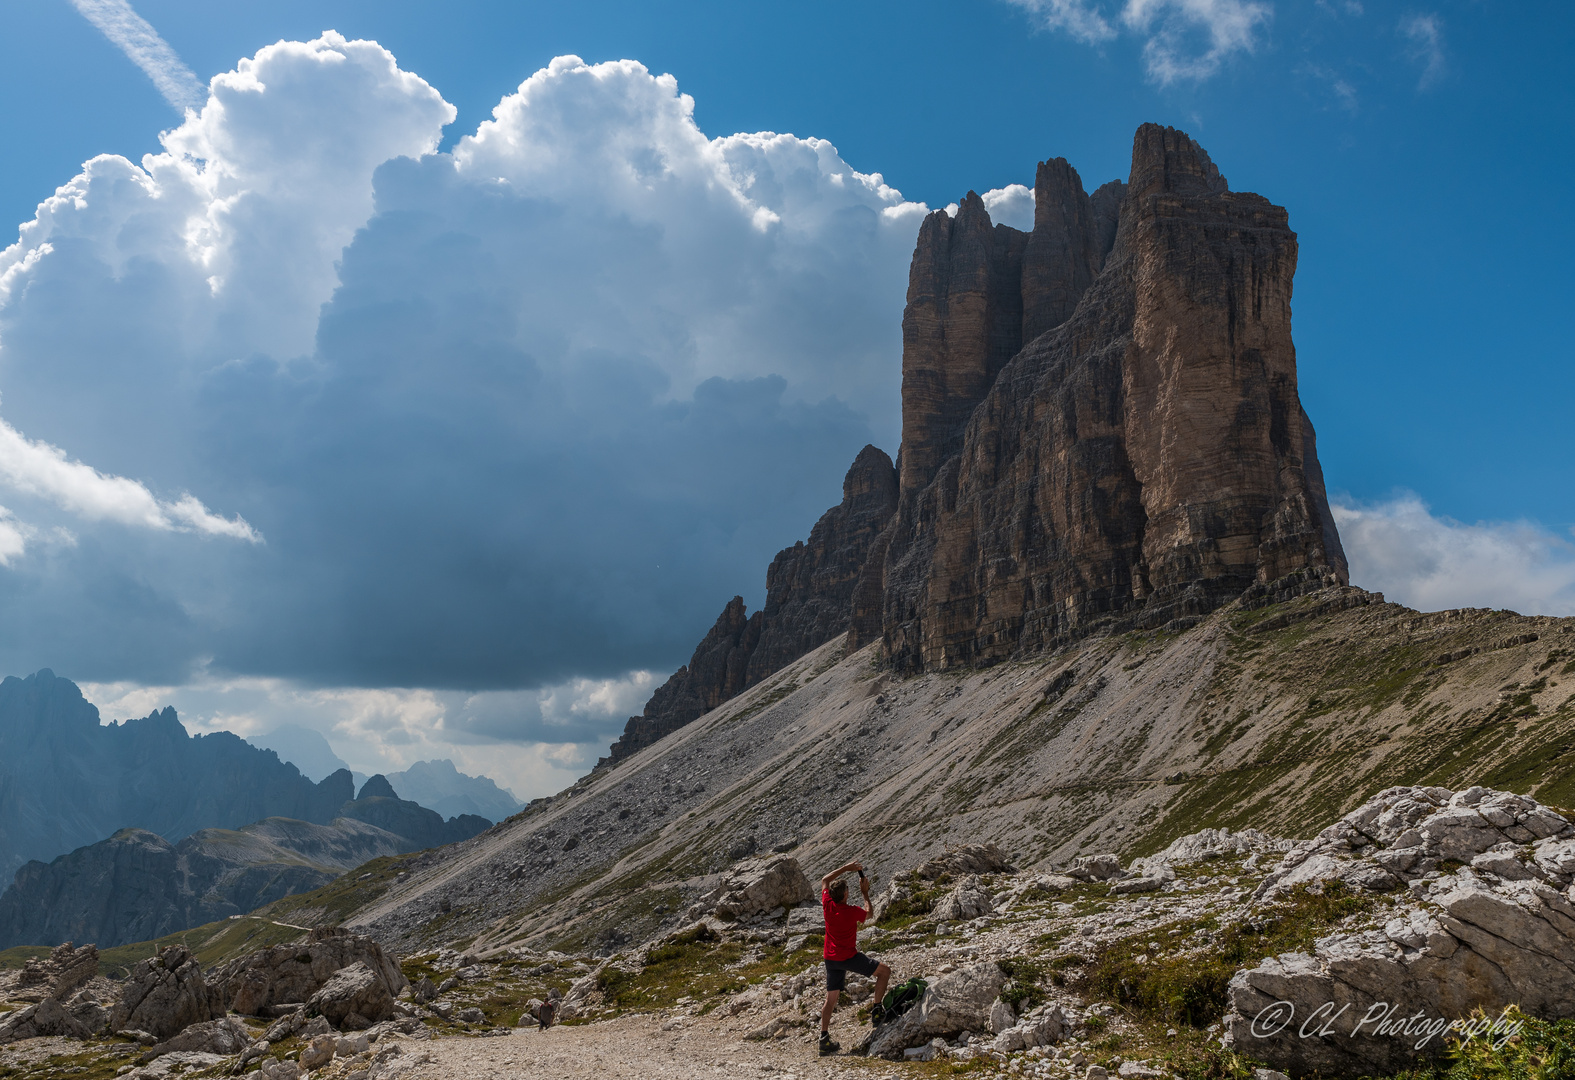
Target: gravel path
(635,1047)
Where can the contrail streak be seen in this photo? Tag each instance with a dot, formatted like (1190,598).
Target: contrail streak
(138,40)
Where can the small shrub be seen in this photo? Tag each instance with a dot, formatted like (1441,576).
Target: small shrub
(1026,986)
(1542,1050)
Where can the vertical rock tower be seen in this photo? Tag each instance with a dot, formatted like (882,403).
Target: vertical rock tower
(1141,460)
(1100,431)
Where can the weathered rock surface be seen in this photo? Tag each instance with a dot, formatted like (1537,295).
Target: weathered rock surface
(809,598)
(294,973)
(1497,932)
(1144,462)
(166,994)
(354,998)
(1043,1029)
(959,1001)
(754,887)
(58,974)
(223,1036)
(967,859)
(969,900)
(48,1017)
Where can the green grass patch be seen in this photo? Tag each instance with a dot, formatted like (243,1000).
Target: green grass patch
(698,966)
(1181,985)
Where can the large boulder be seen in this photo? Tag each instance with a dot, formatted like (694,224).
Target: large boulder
(48,1017)
(224,1036)
(956,1002)
(1106,867)
(166,994)
(286,974)
(355,998)
(1374,1000)
(968,859)
(969,900)
(755,887)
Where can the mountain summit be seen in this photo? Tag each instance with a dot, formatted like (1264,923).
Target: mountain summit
(1101,430)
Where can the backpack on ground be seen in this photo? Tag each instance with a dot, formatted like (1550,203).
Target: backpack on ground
(900,998)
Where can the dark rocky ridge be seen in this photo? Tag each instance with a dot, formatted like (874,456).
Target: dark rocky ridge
(809,597)
(66,780)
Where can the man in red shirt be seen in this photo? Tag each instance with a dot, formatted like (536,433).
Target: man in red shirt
(842,946)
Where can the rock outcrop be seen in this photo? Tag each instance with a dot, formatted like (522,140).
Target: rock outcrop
(958,1001)
(354,998)
(1498,931)
(287,974)
(755,887)
(1138,464)
(48,1017)
(57,975)
(809,600)
(166,994)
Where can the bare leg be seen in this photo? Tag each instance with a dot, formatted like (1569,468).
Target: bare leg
(827,1009)
(882,977)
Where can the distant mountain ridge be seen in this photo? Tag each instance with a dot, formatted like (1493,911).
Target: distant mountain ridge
(136,885)
(67,780)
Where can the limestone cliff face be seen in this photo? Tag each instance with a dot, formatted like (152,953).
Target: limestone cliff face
(1140,462)
(977,293)
(809,597)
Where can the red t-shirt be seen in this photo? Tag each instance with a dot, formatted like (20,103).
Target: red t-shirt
(842,927)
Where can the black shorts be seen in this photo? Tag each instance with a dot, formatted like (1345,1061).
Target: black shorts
(858,963)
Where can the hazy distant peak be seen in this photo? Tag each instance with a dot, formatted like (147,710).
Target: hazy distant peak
(442,787)
(303,747)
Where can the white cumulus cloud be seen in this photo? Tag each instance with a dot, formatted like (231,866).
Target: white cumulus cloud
(524,412)
(1428,562)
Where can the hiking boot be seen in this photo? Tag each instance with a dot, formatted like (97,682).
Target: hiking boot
(828,1047)
(877,1015)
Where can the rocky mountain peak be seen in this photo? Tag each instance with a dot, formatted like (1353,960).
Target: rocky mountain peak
(1137,464)
(1168,161)
(1101,430)
(377,787)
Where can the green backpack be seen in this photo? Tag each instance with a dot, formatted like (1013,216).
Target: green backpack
(900,998)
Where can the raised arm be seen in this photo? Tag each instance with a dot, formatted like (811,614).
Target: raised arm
(852,867)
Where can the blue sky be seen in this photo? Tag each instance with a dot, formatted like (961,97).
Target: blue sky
(443,472)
